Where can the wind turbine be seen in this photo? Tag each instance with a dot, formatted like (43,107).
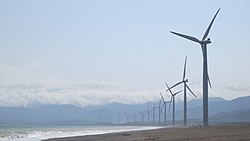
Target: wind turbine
(206,79)
(165,108)
(153,109)
(148,114)
(127,117)
(184,81)
(135,117)
(142,115)
(159,107)
(172,99)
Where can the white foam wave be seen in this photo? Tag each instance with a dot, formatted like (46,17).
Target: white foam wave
(41,133)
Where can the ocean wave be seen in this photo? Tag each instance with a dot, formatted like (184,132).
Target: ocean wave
(41,133)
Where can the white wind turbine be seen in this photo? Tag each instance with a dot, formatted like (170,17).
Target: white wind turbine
(148,114)
(165,108)
(142,115)
(184,81)
(160,111)
(153,109)
(203,44)
(172,99)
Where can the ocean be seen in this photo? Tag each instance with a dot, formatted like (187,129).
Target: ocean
(38,133)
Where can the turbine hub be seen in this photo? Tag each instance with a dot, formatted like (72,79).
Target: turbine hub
(208,41)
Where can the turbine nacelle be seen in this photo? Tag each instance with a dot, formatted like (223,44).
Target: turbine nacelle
(208,41)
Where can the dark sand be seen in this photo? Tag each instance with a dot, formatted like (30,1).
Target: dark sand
(214,133)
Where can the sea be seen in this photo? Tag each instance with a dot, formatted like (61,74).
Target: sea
(39,133)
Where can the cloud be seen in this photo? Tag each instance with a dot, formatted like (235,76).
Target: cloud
(80,94)
(31,84)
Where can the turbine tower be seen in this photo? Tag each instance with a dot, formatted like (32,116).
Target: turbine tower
(165,108)
(142,115)
(148,114)
(135,117)
(153,109)
(206,79)
(127,117)
(172,99)
(184,81)
(159,107)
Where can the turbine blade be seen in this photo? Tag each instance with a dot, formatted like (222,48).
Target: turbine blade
(170,104)
(160,103)
(191,91)
(162,97)
(162,110)
(177,92)
(208,79)
(209,82)
(187,37)
(169,89)
(184,72)
(210,25)
(162,106)
(167,85)
(202,50)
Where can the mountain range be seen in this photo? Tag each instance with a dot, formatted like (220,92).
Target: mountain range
(220,110)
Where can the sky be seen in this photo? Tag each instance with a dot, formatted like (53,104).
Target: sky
(97,52)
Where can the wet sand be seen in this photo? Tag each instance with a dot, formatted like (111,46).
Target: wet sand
(213,133)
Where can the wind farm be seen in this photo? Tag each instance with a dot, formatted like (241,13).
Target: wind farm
(120,70)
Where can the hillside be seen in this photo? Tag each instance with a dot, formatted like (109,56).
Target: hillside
(236,110)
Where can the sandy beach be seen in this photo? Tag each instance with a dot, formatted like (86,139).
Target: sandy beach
(213,133)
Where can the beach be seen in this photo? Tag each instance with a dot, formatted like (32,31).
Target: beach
(212,133)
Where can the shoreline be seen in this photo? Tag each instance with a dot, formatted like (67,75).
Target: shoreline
(215,132)
(121,129)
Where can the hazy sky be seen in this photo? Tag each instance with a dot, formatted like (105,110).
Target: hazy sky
(96,51)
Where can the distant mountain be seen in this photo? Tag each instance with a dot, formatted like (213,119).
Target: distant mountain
(46,114)
(198,102)
(217,106)
(232,116)
(219,109)
(68,114)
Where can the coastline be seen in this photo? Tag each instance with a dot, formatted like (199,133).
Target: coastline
(225,132)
